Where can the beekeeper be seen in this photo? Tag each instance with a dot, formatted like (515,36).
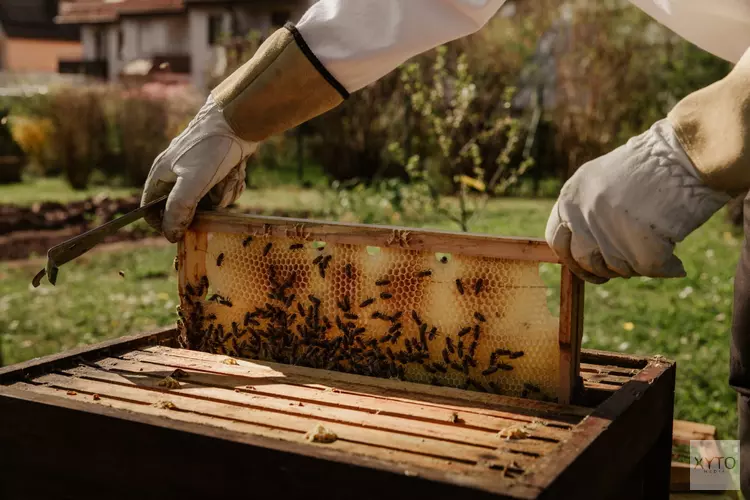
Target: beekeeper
(620,215)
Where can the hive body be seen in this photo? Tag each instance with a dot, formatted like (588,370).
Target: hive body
(387,311)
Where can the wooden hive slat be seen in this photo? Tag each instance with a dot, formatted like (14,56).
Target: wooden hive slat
(193,263)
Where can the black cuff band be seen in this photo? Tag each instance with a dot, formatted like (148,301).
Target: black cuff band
(315,62)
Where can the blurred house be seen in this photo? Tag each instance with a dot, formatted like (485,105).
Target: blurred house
(30,41)
(175,41)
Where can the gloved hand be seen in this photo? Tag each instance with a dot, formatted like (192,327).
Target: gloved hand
(621,215)
(206,158)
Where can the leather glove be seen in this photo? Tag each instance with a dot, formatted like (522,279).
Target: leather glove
(281,86)
(621,215)
(207,158)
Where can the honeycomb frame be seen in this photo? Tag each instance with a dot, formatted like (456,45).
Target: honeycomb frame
(318,289)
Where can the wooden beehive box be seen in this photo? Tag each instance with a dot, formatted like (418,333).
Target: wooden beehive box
(106,422)
(438,307)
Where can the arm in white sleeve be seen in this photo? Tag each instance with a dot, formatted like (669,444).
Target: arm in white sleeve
(359,41)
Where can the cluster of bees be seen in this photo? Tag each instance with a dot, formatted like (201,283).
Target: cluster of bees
(292,329)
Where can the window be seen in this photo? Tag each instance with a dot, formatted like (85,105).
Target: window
(279,18)
(215,28)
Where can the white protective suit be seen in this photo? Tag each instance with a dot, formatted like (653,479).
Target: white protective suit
(618,216)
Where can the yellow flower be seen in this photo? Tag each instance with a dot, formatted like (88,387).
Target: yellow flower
(628,326)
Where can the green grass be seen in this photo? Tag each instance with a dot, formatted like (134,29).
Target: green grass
(687,320)
(56,189)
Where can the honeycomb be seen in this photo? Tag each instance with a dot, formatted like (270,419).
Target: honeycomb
(452,320)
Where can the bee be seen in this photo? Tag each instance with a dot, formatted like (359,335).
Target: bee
(401,374)
(490,370)
(377,315)
(383,282)
(503,352)
(435,382)
(493,358)
(504,367)
(460,349)
(472,349)
(416,318)
(396,336)
(515,355)
(322,271)
(480,317)
(176,264)
(465,366)
(289,300)
(444,259)
(446,356)
(267,249)
(395,327)
(449,345)
(429,369)
(247,241)
(424,274)
(212,317)
(476,333)
(495,388)
(348,271)
(350,316)
(478,286)
(397,316)
(219,260)
(317,260)
(433,333)
(296,246)
(347,304)
(385,338)
(532,388)
(471,381)
(301,309)
(423,335)
(525,393)
(439,367)
(389,353)
(366,302)
(326,260)
(386,295)
(460,286)
(214,298)
(190,290)
(314,299)
(464,331)
(408,346)
(456,366)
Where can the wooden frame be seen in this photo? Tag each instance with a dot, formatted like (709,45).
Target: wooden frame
(192,267)
(68,446)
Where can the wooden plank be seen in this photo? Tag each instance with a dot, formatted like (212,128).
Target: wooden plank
(234,406)
(511,407)
(476,245)
(287,390)
(276,409)
(38,429)
(39,365)
(191,259)
(684,432)
(570,334)
(606,358)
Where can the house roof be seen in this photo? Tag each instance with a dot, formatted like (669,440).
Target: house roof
(34,19)
(105,11)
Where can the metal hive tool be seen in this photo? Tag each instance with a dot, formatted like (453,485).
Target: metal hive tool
(451,309)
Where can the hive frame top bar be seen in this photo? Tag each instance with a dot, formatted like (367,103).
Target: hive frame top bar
(470,244)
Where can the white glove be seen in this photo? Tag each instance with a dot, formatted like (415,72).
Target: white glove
(621,215)
(206,158)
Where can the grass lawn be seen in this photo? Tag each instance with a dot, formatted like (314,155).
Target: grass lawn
(36,189)
(687,320)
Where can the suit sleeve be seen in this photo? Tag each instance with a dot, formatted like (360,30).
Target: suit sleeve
(359,41)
